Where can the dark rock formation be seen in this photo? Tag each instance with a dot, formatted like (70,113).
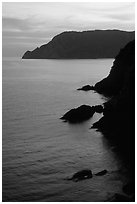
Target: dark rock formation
(119,111)
(86,88)
(118,122)
(79,114)
(101,173)
(98,108)
(82,175)
(121,72)
(82,45)
(82,113)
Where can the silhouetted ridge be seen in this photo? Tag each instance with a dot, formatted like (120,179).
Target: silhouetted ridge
(82,45)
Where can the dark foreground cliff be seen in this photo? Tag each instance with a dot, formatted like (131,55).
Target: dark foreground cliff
(82,45)
(118,122)
(120,85)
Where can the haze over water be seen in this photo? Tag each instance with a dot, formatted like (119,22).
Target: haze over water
(39,150)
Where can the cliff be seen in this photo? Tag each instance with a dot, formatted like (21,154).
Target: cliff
(82,45)
(118,122)
(122,68)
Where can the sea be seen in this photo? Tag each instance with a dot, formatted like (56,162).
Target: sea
(40,151)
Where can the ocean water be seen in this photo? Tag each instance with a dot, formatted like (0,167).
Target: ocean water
(39,150)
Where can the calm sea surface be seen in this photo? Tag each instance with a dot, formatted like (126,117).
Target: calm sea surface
(39,150)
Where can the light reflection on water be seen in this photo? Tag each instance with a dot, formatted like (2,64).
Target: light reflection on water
(39,150)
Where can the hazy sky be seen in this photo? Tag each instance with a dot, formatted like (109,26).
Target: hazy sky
(29,25)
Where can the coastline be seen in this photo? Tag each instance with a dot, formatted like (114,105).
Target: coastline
(119,112)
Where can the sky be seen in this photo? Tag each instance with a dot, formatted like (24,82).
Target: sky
(27,25)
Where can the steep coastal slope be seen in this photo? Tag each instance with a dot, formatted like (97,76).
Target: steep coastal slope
(118,122)
(122,68)
(82,45)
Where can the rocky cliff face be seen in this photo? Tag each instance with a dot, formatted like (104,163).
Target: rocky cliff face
(82,45)
(118,122)
(122,69)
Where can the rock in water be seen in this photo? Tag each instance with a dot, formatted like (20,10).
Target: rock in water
(79,114)
(81,175)
(101,173)
(98,108)
(86,88)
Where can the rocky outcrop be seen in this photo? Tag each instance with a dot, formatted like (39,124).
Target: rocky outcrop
(98,108)
(82,113)
(79,114)
(86,174)
(101,173)
(82,175)
(82,45)
(86,88)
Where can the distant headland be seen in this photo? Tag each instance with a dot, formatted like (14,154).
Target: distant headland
(83,45)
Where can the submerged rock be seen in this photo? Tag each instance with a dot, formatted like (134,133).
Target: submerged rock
(101,173)
(86,88)
(79,114)
(82,175)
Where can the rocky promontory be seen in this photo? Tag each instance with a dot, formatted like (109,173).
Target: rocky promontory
(82,113)
(82,45)
(86,88)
